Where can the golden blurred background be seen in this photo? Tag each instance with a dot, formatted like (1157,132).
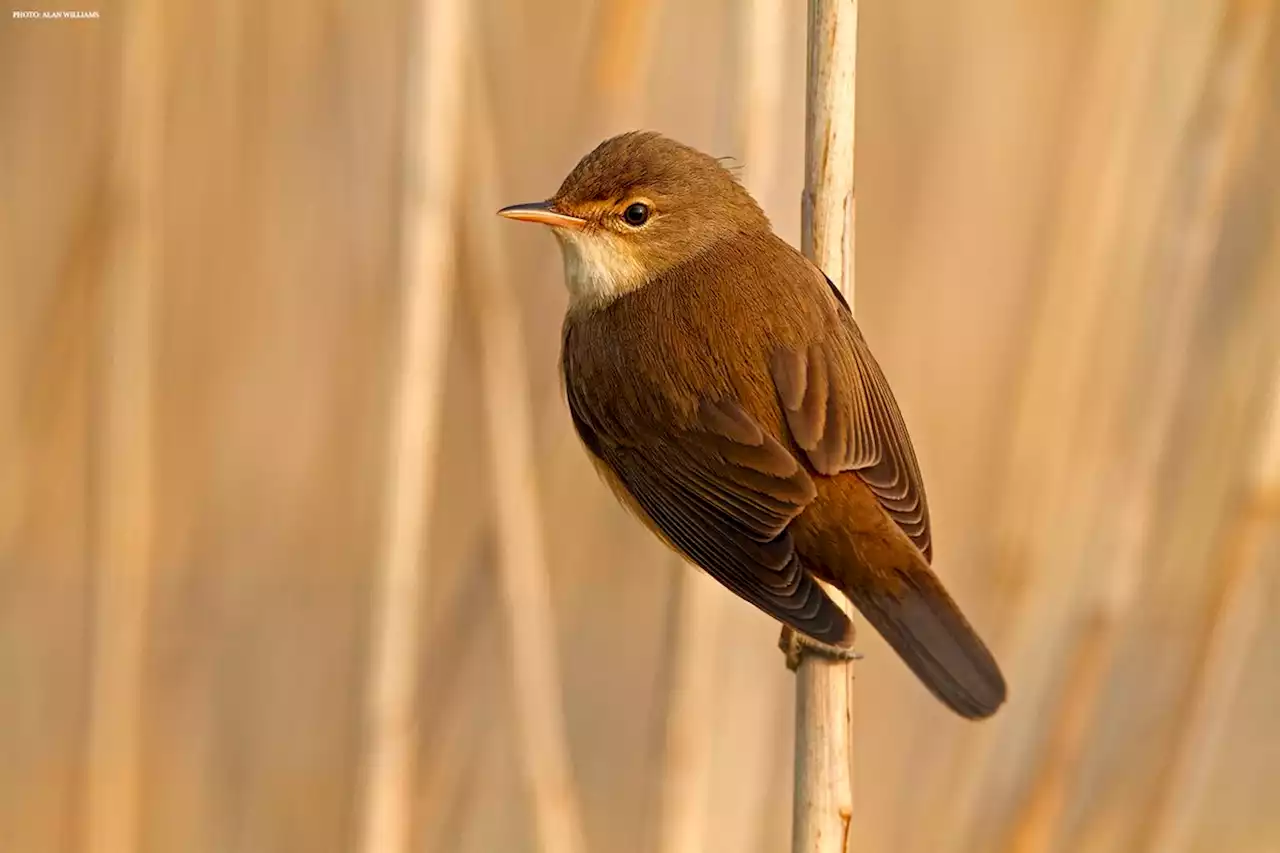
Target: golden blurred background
(257,321)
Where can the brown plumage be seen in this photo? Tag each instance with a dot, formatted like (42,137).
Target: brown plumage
(725,393)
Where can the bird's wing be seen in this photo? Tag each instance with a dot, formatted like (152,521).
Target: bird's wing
(843,416)
(722,492)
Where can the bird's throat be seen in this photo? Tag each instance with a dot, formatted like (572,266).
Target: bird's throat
(598,267)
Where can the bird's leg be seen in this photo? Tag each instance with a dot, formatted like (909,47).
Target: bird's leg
(795,645)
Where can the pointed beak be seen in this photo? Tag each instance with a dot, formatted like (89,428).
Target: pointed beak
(541,211)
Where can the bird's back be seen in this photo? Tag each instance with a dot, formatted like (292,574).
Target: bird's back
(711,330)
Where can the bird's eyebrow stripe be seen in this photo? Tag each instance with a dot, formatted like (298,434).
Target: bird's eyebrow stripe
(614,204)
(629,199)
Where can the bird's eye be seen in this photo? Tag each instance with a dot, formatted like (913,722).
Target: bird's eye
(636,214)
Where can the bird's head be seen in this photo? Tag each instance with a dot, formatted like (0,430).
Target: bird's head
(636,206)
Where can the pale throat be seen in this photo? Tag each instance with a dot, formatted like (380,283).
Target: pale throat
(598,267)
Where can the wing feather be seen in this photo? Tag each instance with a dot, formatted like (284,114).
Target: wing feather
(842,414)
(723,492)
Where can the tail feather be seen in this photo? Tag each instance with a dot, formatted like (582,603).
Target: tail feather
(926,628)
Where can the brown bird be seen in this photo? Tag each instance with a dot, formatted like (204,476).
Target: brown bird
(721,386)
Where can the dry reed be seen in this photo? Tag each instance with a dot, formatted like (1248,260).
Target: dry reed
(823,808)
(526,593)
(122,478)
(1069,390)
(693,705)
(434,125)
(1121,564)
(1236,611)
(1212,135)
(696,696)
(621,35)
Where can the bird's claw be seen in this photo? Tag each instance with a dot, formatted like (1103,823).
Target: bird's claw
(794,645)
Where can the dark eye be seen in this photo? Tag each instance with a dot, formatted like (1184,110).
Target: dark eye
(636,214)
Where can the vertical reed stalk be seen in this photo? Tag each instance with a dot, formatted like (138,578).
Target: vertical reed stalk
(621,55)
(433,119)
(1236,619)
(1074,380)
(1114,84)
(696,681)
(122,464)
(691,711)
(763,36)
(539,712)
(1236,613)
(1209,153)
(823,805)
(456,723)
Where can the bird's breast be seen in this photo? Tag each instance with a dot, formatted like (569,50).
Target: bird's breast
(652,356)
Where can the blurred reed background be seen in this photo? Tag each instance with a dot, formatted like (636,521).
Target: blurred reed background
(298,551)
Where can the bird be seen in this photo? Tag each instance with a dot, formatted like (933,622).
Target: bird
(719,383)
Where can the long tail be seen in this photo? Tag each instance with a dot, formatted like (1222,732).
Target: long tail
(926,628)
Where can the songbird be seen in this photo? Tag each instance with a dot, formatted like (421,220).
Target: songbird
(721,386)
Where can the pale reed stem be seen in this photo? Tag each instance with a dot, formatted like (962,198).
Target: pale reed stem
(526,591)
(433,122)
(1063,398)
(691,712)
(697,684)
(823,808)
(1211,154)
(122,500)
(1236,615)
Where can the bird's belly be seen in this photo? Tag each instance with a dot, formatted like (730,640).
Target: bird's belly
(628,501)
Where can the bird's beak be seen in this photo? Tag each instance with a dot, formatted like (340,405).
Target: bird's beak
(541,211)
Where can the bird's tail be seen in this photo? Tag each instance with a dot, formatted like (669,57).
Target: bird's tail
(925,627)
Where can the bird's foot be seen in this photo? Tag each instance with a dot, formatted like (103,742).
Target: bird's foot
(796,645)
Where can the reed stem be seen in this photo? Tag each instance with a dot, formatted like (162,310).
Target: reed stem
(823,804)
(122,485)
(433,122)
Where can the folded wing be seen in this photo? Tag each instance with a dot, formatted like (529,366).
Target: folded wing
(723,492)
